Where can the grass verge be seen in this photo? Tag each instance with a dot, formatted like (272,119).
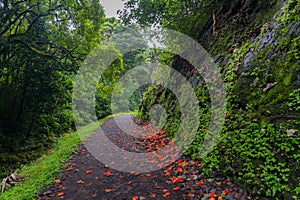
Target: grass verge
(42,172)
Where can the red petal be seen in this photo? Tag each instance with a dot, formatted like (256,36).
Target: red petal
(212,195)
(200,183)
(166,194)
(57,181)
(69,169)
(61,194)
(153,195)
(178,180)
(79,181)
(107,173)
(225,192)
(179,169)
(176,188)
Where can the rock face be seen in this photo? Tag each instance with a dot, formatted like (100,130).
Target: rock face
(262,60)
(257,51)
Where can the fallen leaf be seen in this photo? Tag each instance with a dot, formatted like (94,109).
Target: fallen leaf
(107,190)
(166,194)
(60,194)
(188,195)
(185,164)
(129,182)
(107,173)
(170,168)
(153,195)
(88,171)
(176,188)
(61,187)
(200,183)
(225,192)
(57,181)
(69,169)
(79,181)
(167,174)
(212,195)
(176,179)
(179,169)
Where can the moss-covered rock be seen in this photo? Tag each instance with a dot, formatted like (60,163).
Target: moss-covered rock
(257,50)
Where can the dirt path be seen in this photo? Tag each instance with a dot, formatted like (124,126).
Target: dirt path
(87,178)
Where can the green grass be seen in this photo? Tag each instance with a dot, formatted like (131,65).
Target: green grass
(43,171)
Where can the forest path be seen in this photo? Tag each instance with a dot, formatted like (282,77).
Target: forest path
(85,177)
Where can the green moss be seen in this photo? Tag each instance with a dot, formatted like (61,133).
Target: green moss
(254,141)
(288,78)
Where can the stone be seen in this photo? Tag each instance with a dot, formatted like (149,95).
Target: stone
(290,132)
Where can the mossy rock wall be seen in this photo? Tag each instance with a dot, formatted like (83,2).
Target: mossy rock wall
(257,51)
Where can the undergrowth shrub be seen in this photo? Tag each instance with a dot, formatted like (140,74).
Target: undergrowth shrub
(263,159)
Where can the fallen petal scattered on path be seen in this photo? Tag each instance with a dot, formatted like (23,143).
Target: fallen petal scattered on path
(87,178)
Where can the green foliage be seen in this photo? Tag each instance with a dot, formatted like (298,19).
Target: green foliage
(42,44)
(120,36)
(255,148)
(184,16)
(42,172)
(294,100)
(261,158)
(106,86)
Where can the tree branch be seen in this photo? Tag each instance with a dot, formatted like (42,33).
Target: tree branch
(16,19)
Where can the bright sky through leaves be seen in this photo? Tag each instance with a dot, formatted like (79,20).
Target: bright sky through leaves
(112,6)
